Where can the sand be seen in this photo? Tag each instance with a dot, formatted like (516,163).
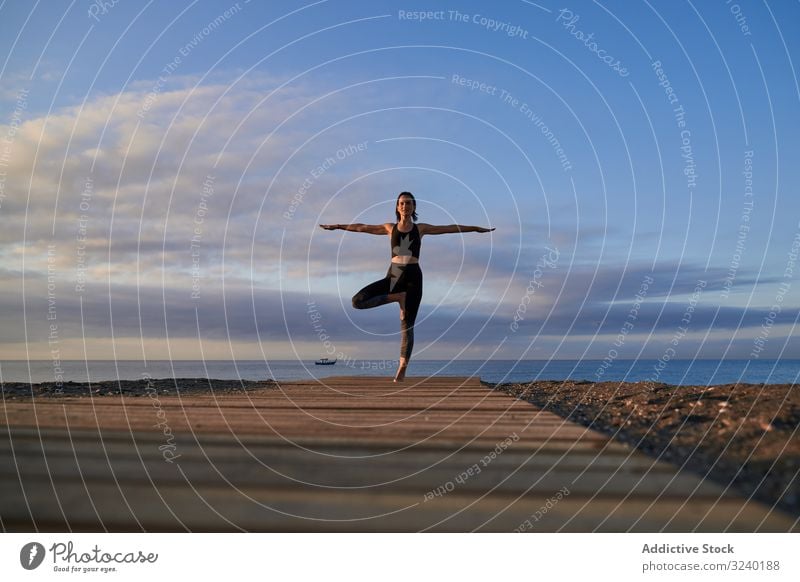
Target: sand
(163,386)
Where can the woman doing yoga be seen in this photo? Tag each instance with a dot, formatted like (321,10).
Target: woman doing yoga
(403,280)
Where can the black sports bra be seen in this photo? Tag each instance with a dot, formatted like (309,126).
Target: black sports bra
(406,244)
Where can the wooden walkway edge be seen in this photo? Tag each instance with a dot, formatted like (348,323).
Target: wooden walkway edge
(341,454)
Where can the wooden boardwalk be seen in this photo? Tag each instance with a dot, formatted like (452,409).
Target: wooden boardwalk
(352,454)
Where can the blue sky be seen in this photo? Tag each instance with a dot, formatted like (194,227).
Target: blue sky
(164,167)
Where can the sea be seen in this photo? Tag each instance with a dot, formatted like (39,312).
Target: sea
(678,372)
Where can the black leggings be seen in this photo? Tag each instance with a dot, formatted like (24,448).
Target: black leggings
(398,279)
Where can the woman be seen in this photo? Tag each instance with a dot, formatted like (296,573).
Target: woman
(403,281)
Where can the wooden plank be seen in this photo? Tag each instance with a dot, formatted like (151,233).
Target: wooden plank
(70,444)
(99,506)
(349,454)
(400,470)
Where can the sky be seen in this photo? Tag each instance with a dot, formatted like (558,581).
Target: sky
(164,167)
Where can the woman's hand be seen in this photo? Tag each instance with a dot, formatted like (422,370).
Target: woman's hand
(482,229)
(329,226)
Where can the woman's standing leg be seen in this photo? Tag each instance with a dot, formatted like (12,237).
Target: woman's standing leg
(413,288)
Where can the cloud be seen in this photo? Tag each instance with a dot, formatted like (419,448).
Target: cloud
(192,214)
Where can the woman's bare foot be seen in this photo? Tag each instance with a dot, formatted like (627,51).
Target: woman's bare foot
(401,370)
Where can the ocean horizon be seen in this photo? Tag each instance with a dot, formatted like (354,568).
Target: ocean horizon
(677,372)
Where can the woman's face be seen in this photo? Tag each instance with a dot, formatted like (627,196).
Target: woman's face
(405,206)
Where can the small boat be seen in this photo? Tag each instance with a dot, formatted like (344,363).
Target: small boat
(325,362)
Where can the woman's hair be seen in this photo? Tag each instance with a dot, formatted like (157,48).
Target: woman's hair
(414,200)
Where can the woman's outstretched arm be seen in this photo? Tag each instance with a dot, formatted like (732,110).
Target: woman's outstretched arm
(449,228)
(358,227)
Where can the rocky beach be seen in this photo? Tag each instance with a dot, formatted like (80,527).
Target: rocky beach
(740,435)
